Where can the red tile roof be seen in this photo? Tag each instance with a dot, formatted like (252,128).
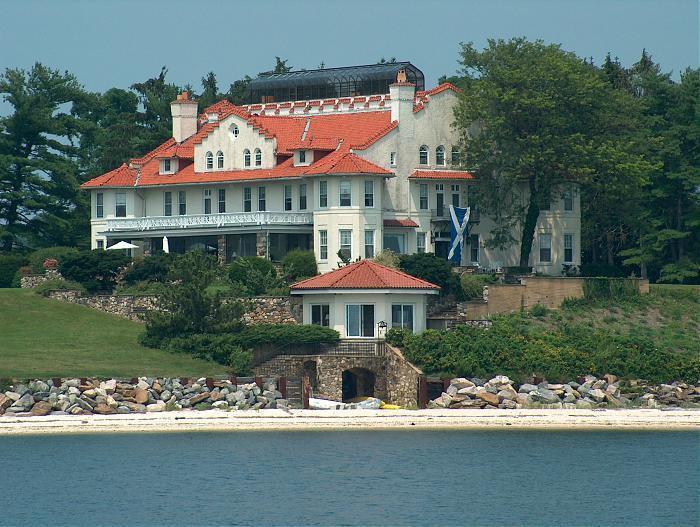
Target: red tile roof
(122,176)
(364,274)
(405,222)
(343,162)
(440,174)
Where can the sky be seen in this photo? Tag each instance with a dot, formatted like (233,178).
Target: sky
(120,42)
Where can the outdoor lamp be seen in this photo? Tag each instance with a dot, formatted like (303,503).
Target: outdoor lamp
(382,328)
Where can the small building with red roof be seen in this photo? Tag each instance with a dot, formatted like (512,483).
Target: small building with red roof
(363,299)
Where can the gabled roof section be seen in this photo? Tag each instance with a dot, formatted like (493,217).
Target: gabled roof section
(404,222)
(423,97)
(344,162)
(122,176)
(441,174)
(364,274)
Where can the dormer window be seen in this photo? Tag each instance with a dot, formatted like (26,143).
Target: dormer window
(209,161)
(166,165)
(212,117)
(233,131)
(302,156)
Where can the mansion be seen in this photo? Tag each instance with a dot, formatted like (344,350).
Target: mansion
(351,160)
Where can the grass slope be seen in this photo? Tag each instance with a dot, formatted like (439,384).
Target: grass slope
(40,337)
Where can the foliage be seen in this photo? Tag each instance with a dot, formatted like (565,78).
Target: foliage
(38,257)
(299,264)
(601,269)
(538,310)
(139,289)
(221,349)
(96,270)
(45,287)
(154,268)
(9,266)
(428,266)
(254,275)
(387,258)
(473,284)
(609,288)
(285,334)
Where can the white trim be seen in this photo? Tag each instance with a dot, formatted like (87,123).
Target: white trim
(331,291)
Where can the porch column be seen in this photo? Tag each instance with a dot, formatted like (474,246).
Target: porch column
(261,243)
(221,249)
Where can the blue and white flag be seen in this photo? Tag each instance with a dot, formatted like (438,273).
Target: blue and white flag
(458,229)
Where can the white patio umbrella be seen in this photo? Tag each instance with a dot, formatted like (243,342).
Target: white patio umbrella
(123,245)
(166,246)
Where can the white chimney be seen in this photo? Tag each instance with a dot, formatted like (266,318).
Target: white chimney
(184,112)
(402,94)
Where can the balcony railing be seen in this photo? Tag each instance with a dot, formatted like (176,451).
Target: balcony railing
(194,221)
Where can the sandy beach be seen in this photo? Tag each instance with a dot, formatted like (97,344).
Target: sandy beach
(270,420)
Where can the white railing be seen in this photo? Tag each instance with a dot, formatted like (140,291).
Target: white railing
(233,219)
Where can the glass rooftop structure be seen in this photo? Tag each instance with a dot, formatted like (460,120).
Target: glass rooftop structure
(330,83)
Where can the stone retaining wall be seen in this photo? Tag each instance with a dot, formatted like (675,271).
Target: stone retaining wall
(273,310)
(31,281)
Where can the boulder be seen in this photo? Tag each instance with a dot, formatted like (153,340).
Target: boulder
(141,395)
(104,409)
(545,396)
(220,405)
(5,402)
(42,408)
(134,407)
(109,386)
(508,404)
(158,406)
(609,378)
(597,395)
(527,388)
(488,397)
(507,393)
(461,382)
(470,390)
(452,390)
(523,399)
(25,402)
(200,397)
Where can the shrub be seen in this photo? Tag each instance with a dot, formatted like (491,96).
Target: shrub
(154,268)
(539,311)
(299,264)
(428,266)
(9,266)
(473,284)
(388,258)
(609,288)
(96,270)
(37,258)
(288,334)
(139,289)
(397,336)
(255,274)
(47,286)
(602,269)
(222,349)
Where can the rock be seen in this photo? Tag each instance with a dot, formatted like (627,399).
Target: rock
(141,395)
(509,404)
(42,408)
(38,386)
(83,404)
(109,386)
(527,388)
(446,399)
(220,405)
(490,398)
(142,385)
(597,395)
(545,396)
(569,398)
(583,404)
(461,382)
(123,410)
(452,389)
(25,402)
(507,393)
(104,409)
(165,395)
(134,407)
(613,401)
(609,378)
(470,390)
(599,385)
(5,402)
(523,399)
(159,406)
(200,397)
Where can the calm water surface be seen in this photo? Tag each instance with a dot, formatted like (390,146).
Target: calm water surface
(421,478)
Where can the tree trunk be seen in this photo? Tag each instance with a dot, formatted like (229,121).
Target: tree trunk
(609,247)
(528,234)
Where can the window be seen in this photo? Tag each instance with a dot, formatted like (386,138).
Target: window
(568,200)
(423,196)
(455,195)
(369,244)
(423,155)
(323,245)
(209,160)
(247,199)
(392,159)
(207,201)
(166,165)
(261,198)
(402,316)
(219,159)
(359,320)
(440,155)
(246,157)
(323,194)
(167,203)
(420,242)
(346,243)
(395,242)
(100,244)
(302,196)
(474,248)
(120,208)
(320,315)
(440,200)
(568,248)
(287,197)
(233,130)
(258,157)
(455,156)
(222,200)
(99,205)
(302,156)
(545,248)
(546,205)
(182,202)
(345,193)
(369,193)
(472,196)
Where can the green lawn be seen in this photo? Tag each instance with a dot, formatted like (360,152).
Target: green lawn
(40,337)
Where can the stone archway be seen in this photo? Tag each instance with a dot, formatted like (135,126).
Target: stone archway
(358,382)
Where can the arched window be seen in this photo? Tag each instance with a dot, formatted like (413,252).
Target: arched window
(258,157)
(209,160)
(233,130)
(423,155)
(455,156)
(219,159)
(246,157)
(440,155)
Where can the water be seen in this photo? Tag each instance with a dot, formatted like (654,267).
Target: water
(421,478)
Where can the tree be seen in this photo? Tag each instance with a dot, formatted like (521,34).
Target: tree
(534,118)
(436,270)
(210,93)
(155,96)
(39,172)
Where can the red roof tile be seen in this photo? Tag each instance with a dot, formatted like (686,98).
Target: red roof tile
(440,174)
(405,222)
(344,162)
(364,274)
(122,176)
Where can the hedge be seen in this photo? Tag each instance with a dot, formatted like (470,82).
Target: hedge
(9,266)
(289,334)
